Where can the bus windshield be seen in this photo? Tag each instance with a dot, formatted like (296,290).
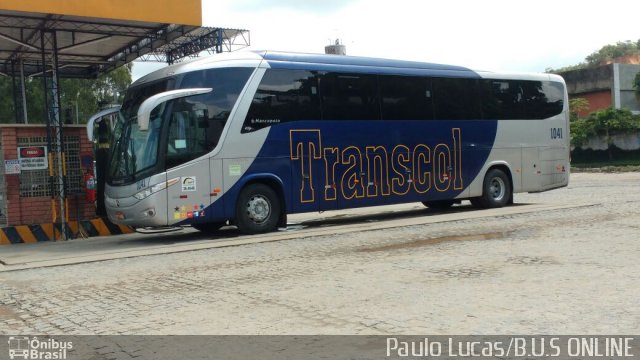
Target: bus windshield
(186,128)
(135,150)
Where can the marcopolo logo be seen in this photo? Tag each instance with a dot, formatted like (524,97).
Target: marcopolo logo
(24,347)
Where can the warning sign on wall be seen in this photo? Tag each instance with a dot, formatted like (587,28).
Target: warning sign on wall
(12,167)
(33,158)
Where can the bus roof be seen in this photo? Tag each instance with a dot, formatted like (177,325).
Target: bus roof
(360,64)
(322,62)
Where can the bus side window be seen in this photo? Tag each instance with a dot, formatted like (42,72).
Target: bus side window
(177,133)
(349,96)
(502,99)
(521,99)
(192,133)
(456,99)
(406,97)
(283,95)
(180,141)
(542,99)
(555,97)
(196,122)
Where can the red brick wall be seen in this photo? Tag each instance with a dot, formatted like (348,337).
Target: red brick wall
(38,210)
(597,101)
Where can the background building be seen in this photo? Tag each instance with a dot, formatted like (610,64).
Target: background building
(608,85)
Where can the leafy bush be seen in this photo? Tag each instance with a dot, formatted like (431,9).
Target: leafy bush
(607,122)
(636,85)
(581,131)
(576,106)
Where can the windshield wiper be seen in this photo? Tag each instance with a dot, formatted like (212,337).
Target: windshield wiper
(135,169)
(125,158)
(133,159)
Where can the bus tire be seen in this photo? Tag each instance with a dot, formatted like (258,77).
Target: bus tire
(208,227)
(439,204)
(258,209)
(496,190)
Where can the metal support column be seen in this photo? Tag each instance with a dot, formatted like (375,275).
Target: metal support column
(219,40)
(49,49)
(23,94)
(19,94)
(16,112)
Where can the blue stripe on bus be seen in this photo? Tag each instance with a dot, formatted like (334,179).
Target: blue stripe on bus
(476,141)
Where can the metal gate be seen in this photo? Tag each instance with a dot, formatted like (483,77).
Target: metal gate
(36,183)
(3,190)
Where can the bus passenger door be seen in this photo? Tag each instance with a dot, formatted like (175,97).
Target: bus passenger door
(190,196)
(188,199)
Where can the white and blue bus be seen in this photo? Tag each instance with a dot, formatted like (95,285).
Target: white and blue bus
(247,138)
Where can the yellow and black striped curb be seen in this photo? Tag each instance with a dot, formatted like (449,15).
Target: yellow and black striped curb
(45,232)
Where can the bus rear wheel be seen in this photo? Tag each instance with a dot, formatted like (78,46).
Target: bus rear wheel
(258,209)
(496,190)
(439,204)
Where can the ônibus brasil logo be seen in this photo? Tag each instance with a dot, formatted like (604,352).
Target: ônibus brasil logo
(24,347)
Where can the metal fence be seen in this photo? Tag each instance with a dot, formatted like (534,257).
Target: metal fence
(35,183)
(3,191)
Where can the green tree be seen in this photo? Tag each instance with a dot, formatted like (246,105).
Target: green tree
(610,52)
(82,95)
(636,83)
(75,95)
(606,53)
(108,88)
(34,90)
(606,123)
(576,106)
(6,100)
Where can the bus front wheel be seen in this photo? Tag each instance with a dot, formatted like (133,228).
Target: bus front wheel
(257,209)
(496,190)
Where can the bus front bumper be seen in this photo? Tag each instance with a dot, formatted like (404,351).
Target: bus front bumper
(149,212)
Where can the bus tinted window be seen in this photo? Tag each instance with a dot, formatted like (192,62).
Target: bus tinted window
(456,99)
(406,97)
(196,122)
(349,97)
(521,99)
(226,83)
(542,99)
(283,95)
(502,99)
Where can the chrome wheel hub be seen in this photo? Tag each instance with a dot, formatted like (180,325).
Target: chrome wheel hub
(497,188)
(258,208)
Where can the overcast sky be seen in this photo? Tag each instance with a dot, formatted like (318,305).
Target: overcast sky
(499,35)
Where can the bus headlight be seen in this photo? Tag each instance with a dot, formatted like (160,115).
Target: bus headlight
(155,188)
(143,194)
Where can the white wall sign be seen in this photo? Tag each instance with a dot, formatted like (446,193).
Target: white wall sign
(33,158)
(11,167)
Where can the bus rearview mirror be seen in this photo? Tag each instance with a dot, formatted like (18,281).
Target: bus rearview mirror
(147,106)
(92,120)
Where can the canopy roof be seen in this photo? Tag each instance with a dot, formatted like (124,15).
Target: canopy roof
(95,36)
